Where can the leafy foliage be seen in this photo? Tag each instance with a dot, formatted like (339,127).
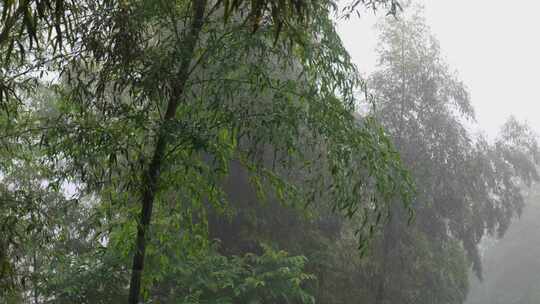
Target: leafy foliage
(467,188)
(146,106)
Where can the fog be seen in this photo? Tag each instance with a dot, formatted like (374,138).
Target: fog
(512,264)
(210,151)
(492,45)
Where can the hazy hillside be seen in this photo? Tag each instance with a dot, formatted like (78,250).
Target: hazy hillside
(512,265)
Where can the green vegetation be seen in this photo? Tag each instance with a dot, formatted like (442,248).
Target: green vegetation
(211,152)
(511,265)
(467,188)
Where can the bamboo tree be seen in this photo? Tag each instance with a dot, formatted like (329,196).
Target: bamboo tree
(145,92)
(152,175)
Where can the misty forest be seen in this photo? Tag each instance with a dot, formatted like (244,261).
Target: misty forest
(230,151)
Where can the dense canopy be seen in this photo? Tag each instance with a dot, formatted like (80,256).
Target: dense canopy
(212,151)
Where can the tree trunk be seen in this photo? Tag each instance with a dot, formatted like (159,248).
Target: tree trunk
(391,229)
(390,243)
(381,277)
(152,174)
(35,270)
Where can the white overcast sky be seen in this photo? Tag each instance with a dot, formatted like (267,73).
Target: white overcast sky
(494,45)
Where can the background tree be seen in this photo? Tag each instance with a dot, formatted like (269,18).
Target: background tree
(466,187)
(510,264)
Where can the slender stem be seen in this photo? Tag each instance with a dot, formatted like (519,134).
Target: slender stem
(152,174)
(35,270)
